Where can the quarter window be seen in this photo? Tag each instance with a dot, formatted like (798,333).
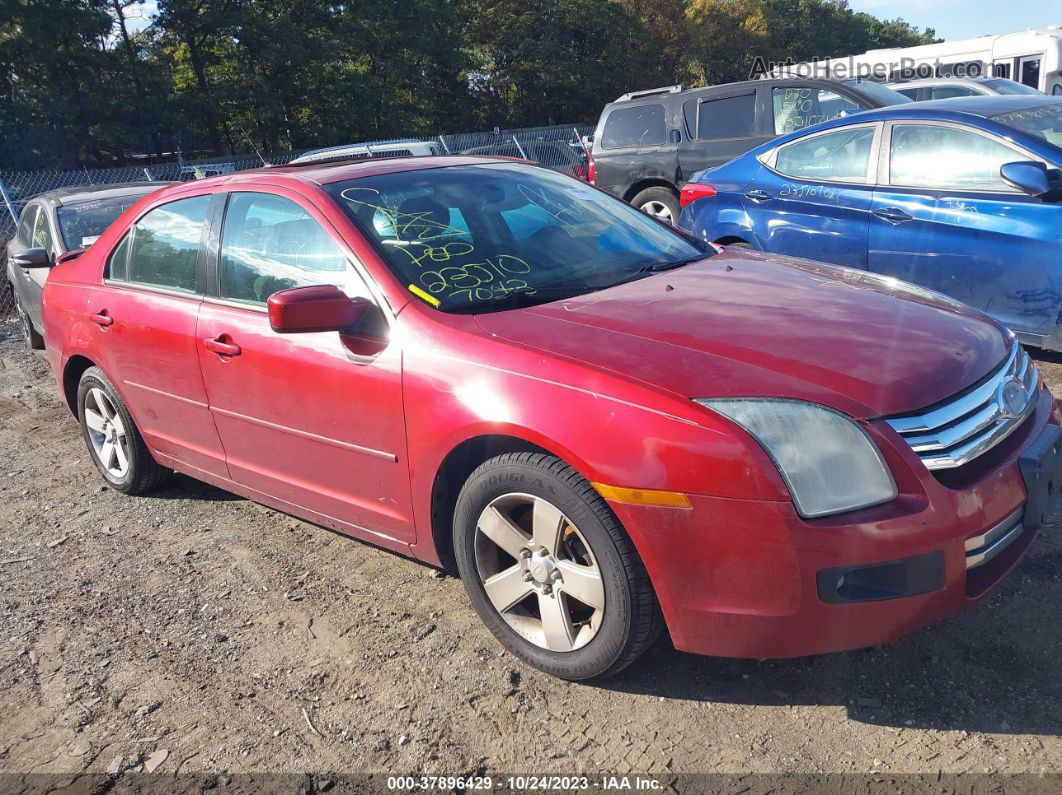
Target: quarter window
(796,108)
(42,232)
(270,243)
(25,226)
(729,117)
(841,156)
(930,156)
(640,126)
(165,246)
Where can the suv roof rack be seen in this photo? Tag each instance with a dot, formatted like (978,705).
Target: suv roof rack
(675,89)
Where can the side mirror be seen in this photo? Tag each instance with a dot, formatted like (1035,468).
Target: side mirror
(321,307)
(1028,176)
(33,258)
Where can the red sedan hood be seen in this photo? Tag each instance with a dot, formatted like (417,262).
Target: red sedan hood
(744,324)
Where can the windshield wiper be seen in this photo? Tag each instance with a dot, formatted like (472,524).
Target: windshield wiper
(520,297)
(657,267)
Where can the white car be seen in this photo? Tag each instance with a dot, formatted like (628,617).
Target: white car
(948,87)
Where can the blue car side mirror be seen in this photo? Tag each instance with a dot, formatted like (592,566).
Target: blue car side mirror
(1029,176)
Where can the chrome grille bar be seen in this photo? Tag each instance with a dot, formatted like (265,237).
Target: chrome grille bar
(985,547)
(974,422)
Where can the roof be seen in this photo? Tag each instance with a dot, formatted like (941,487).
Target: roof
(76,194)
(666,91)
(984,106)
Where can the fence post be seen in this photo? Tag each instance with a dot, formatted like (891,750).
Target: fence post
(7,201)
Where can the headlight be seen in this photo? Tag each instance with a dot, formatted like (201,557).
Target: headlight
(828,461)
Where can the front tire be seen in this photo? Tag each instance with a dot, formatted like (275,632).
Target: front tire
(113,440)
(659,202)
(549,569)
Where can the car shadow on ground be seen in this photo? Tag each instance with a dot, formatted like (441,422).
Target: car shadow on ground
(182,487)
(994,669)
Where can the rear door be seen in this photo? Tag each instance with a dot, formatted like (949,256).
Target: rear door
(812,196)
(944,219)
(721,126)
(313,419)
(144,316)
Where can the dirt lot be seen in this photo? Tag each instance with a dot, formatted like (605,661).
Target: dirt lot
(194,632)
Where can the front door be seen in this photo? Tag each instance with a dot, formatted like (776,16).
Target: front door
(144,318)
(944,219)
(315,419)
(812,197)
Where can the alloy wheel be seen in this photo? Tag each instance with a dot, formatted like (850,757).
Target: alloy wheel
(107,433)
(539,572)
(659,210)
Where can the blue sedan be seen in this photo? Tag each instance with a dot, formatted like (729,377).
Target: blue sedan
(961,196)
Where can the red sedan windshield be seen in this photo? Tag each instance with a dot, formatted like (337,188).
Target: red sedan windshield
(495,236)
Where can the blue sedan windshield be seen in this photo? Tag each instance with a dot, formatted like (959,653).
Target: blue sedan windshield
(1044,122)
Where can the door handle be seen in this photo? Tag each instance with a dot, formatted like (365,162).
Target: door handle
(222,348)
(102,319)
(893,215)
(758,195)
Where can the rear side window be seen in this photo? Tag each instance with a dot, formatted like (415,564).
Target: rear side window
(796,108)
(270,243)
(946,92)
(640,126)
(165,246)
(946,158)
(841,156)
(730,117)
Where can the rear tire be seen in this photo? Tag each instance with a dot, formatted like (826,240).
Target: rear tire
(659,202)
(113,440)
(34,340)
(568,593)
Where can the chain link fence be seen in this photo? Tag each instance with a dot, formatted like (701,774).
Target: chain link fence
(558,147)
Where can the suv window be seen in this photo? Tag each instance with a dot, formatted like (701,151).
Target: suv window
(729,117)
(796,108)
(929,156)
(270,243)
(165,245)
(640,126)
(42,232)
(841,156)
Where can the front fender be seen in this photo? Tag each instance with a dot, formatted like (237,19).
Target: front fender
(612,431)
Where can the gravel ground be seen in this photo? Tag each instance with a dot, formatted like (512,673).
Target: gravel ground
(193,632)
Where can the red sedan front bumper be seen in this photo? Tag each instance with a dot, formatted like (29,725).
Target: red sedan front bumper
(741,578)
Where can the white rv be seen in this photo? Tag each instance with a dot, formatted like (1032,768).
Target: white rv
(1031,57)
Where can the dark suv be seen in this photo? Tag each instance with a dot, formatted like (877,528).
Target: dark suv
(648,142)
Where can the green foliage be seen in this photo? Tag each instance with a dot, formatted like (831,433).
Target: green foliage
(81,84)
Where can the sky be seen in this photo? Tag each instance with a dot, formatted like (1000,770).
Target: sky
(965,19)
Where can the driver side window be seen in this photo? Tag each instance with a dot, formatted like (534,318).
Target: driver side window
(270,243)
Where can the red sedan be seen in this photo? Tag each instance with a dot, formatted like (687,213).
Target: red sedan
(605,426)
